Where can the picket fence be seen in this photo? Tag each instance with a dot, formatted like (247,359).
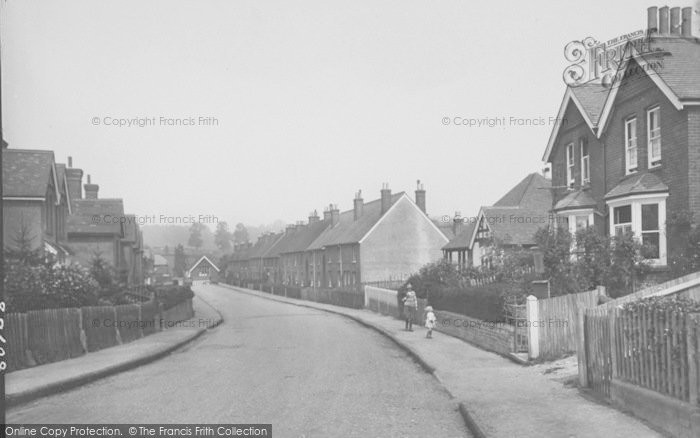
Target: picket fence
(43,336)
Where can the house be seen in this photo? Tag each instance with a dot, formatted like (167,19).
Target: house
(260,266)
(628,158)
(237,269)
(36,201)
(161,273)
(390,237)
(296,263)
(511,222)
(203,270)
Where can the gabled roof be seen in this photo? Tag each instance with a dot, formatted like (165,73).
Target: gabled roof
(534,192)
(348,230)
(263,245)
(463,238)
(445,228)
(575,200)
(644,183)
(671,63)
(203,259)
(514,226)
(27,173)
(588,99)
(94,216)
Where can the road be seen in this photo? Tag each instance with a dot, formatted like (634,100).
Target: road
(308,372)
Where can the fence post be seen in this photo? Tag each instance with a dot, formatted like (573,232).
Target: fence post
(692,333)
(116,327)
(533,327)
(612,324)
(602,291)
(581,353)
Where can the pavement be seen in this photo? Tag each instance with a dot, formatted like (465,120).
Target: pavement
(25,385)
(496,397)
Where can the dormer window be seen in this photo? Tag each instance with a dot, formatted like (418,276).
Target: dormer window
(570,181)
(630,145)
(654,137)
(585,162)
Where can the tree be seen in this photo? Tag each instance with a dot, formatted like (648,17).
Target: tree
(195,239)
(222,237)
(240,234)
(103,273)
(180,263)
(22,251)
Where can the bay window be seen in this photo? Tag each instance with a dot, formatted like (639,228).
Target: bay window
(645,217)
(631,145)
(653,137)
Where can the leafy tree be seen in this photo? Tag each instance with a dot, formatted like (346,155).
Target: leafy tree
(103,273)
(195,239)
(222,237)
(240,234)
(180,263)
(685,239)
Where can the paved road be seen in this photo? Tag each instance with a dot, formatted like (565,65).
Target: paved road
(307,372)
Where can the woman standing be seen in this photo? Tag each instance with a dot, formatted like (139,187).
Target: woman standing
(410,305)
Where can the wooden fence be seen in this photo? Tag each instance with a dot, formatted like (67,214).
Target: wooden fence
(382,301)
(44,336)
(656,350)
(556,322)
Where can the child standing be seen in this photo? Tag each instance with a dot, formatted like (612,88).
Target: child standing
(430,320)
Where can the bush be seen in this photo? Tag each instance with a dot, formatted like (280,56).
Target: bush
(485,302)
(673,303)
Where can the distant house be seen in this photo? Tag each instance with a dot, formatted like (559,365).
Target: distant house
(388,238)
(510,223)
(203,270)
(161,271)
(628,158)
(296,263)
(36,201)
(262,267)
(237,268)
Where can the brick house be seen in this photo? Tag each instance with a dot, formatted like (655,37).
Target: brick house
(261,267)
(36,201)
(391,237)
(628,156)
(511,222)
(296,263)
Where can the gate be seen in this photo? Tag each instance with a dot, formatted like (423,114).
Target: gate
(516,315)
(598,350)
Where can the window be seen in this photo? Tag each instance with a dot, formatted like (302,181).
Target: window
(645,216)
(622,217)
(585,162)
(631,145)
(654,137)
(650,229)
(570,165)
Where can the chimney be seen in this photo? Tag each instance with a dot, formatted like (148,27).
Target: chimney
(313,217)
(457,223)
(335,215)
(676,21)
(91,189)
(663,21)
(358,205)
(74,178)
(289,229)
(327,213)
(386,197)
(420,196)
(653,20)
(687,22)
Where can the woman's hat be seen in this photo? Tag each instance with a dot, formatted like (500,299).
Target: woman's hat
(409,287)
(428,308)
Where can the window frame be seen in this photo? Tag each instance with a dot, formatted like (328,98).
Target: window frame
(585,168)
(635,203)
(653,162)
(570,166)
(631,121)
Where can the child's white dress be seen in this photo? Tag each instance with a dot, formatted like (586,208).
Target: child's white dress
(430,320)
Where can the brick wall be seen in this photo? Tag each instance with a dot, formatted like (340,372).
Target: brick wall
(694,160)
(496,337)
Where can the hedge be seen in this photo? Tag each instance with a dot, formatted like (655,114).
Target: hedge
(480,302)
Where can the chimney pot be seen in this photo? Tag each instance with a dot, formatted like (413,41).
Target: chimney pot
(420,196)
(70,161)
(385,198)
(358,205)
(664,22)
(675,21)
(91,190)
(335,215)
(687,22)
(653,20)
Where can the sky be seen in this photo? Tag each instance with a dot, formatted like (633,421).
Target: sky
(254,111)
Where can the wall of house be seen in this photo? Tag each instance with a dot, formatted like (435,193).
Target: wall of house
(401,243)
(342,267)
(694,160)
(14,213)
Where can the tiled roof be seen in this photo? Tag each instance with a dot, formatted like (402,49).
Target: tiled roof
(200,261)
(534,192)
(679,69)
(301,238)
(445,227)
(349,230)
(592,97)
(463,238)
(89,216)
(515,226)
(26,173)
(263,245)
(574,200)
(638,184)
